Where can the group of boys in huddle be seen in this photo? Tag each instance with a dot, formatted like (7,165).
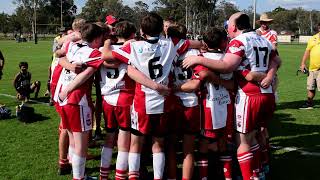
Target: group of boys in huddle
(165,86)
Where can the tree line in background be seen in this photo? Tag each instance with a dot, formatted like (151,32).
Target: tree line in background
(47,16)
(199,15)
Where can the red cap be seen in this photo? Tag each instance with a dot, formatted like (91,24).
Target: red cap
(111,20)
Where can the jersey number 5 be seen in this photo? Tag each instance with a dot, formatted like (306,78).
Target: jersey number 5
(113,73)
(264,60)
(185,73)
(155,70)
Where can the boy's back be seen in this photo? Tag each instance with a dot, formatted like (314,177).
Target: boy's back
(217,96)
(154,59)
(181,76)
(82,54)
(116,86)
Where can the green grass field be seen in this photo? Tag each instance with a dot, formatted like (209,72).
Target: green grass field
(30,151)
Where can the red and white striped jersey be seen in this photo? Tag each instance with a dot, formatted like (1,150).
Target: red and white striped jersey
(117,88)
(217,97)
(56,70)
(270,34)
(181,76)
(153,58)
(79,53)
(255,52)
(54,64)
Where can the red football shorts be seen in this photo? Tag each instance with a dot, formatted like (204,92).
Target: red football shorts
(253,112)
(116,117)
(185,120)
(58,108)
(76,118)
(213,133)
(153,124)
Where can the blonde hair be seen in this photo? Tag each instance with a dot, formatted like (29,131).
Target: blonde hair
(77,23)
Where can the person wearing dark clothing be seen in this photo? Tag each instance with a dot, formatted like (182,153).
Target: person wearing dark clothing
(22,83)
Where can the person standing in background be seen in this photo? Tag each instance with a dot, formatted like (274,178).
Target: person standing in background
(266,31)
(312,52)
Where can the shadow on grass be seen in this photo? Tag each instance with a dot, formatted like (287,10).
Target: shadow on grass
(35,118)
(300,135)
(40,99)
(293,164)
(293,104)
(283,125)
(9,118)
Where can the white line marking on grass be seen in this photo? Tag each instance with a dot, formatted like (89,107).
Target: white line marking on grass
(291,149)
(34,101)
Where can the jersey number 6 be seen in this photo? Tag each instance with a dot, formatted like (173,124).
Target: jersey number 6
(155,70)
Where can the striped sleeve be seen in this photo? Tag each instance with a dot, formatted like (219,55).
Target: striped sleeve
(236,47)
(197,70)
(182,45)
(123,53)
(95,61)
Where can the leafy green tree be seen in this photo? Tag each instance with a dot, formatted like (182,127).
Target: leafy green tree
(93,10)
(4,23)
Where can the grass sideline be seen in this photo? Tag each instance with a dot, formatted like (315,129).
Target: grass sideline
(30,151)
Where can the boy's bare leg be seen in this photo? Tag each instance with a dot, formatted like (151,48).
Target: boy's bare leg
(64,166)
(79,157)
(123,154)
(158,157)
(188,161)
(171,156)
(106,156)
(136,145)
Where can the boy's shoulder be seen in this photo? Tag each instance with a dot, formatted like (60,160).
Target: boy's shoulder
(18,74)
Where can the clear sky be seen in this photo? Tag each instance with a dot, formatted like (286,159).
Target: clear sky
(262,5)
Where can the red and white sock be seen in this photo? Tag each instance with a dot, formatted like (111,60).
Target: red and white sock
(202,164)
(158,165)
(256,152)
(134,166)
(121,165)
(227,165)
(106,156)
(78,166)
(70,153)
(245,161)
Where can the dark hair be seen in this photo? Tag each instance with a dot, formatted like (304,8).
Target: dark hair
(214,37)
(103,26)
(125,29)
(177,31)
(23,63)
(152,24)
(90,32)
(243,22)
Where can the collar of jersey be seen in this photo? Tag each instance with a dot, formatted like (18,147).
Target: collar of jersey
(153,40)
(215,51)
(120,43)
(264,31)
(82,44)
(247,31)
